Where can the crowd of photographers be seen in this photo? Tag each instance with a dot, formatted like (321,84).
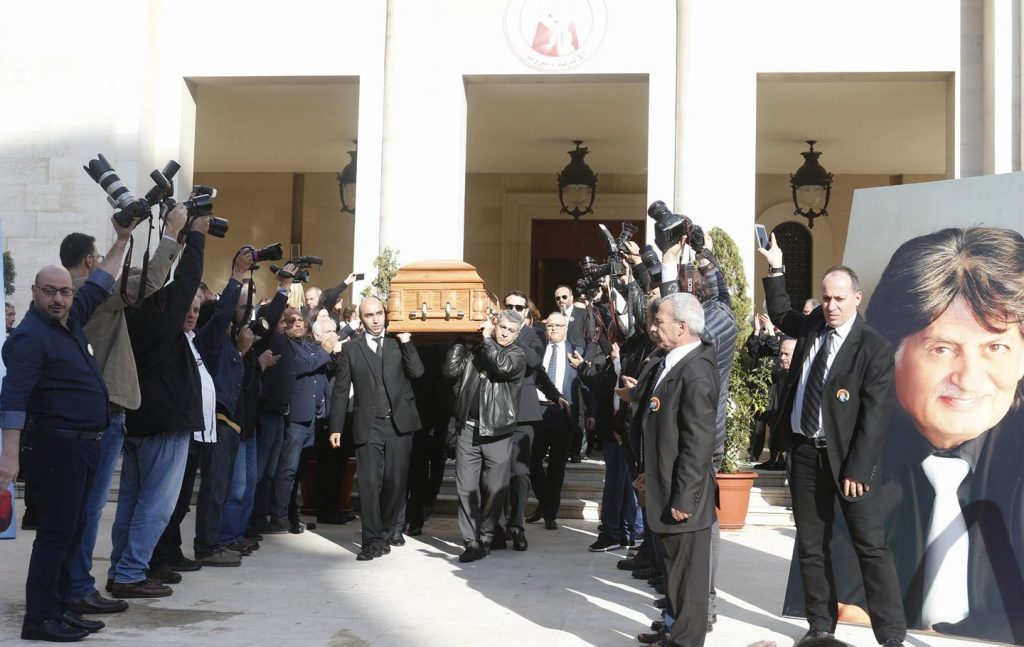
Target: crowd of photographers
(178,380)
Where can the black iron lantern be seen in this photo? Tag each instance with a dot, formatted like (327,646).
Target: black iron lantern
(812,185)
(347,185)
(577,184)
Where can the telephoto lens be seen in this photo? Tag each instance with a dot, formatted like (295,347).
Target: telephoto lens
(218,227)
(268,253)
(103,174)
(260,327)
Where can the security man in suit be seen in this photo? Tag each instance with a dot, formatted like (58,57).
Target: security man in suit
(384,417)
(835,412)
(677,397)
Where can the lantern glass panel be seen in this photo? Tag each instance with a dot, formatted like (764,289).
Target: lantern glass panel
(810,197)
(577,195)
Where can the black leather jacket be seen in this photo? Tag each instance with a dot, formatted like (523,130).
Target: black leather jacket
(499,372)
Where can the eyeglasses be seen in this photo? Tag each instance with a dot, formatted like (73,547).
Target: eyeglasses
(512,306)
(561,297)
(50,291)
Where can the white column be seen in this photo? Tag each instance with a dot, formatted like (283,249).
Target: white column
(423,171)
(716,125)
(1002,148)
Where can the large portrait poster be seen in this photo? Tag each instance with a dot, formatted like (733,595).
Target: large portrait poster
(942,268)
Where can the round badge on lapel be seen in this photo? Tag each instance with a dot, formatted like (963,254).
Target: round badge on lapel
(654,405)
(842,395)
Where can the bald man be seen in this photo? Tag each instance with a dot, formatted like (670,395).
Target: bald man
(384,416)
(54,400)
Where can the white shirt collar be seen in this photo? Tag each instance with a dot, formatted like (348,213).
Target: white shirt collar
(844,330)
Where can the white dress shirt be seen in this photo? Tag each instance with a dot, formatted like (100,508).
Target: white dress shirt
(209,432)
(673,358)
(841,333)
(559,366)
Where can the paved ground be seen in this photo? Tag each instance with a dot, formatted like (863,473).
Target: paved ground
(309,590)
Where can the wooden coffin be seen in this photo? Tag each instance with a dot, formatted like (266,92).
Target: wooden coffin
(438,297)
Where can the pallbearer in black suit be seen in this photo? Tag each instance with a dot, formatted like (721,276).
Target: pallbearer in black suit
(676,400)
(383,419)
(835,411)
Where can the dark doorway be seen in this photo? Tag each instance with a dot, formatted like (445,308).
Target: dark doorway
(797,248)
(556,249)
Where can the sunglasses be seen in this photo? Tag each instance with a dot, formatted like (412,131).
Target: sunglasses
(561,297)
(515,307)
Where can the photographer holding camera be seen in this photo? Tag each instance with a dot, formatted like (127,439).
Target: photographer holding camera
(158,433)
(54,401)
(107,332)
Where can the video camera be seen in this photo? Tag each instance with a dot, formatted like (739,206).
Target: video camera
(616,248)
(302,265)
(132,210)
(670,227)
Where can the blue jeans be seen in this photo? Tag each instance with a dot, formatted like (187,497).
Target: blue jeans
(619,510)
(151,476)
(241,490)
(296,437)
(80,563)
(269,438)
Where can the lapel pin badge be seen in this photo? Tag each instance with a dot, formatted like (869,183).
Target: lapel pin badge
(654,405)
(842,395)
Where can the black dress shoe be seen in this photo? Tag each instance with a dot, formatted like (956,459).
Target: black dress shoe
(651,639)
(519,540)
(53,630)
(383,548)
(660,588)
(96,603)
(164,574)
(814,634)
(498,540)
(535,516)
(657,625)
(655,580)
(367,553)
(414,530)
(892,642)
(660,603)
(72,619)
(644,573)
(631,564)
(550,525)
(472,553)
(185,565)
(333,518)
(397,540)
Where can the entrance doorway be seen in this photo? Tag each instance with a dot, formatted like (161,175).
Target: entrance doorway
(556,249)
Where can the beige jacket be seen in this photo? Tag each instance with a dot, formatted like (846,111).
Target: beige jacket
(107,330)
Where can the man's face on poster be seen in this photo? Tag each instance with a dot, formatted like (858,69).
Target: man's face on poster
(956,379)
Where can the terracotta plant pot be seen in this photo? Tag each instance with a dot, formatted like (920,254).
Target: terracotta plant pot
(734,497)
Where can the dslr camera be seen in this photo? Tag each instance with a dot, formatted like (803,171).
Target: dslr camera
(670,227)
(302,264)
(617,247)
(130,209)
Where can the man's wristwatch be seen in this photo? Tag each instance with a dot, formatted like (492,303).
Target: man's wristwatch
(775,271)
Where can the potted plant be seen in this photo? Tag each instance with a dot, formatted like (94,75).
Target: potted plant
(748,393)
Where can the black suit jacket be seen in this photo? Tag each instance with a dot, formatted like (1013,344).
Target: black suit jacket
(359,367)
(861,374)
(992,497)
(533,347)
(679,441)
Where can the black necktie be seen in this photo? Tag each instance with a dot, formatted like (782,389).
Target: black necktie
(815,385)
(380,345)
(658,370)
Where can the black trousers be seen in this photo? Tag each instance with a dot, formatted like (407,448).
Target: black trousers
(553,434)
(383,464)
(519,486)
(426,472)
(814,495)
(60,471)
(168,547)
(685,559)
(216,463)
(330,467)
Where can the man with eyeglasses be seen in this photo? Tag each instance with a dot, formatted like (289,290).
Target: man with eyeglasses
(576,317)
(55,400)
(522,436)
(107,332)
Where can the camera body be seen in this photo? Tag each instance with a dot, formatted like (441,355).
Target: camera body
(201,204)
(130,209)
(670,227)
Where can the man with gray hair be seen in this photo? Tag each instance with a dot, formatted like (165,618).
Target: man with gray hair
(489,380)
(677,398)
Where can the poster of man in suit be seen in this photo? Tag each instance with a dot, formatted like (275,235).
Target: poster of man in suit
(951,302)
